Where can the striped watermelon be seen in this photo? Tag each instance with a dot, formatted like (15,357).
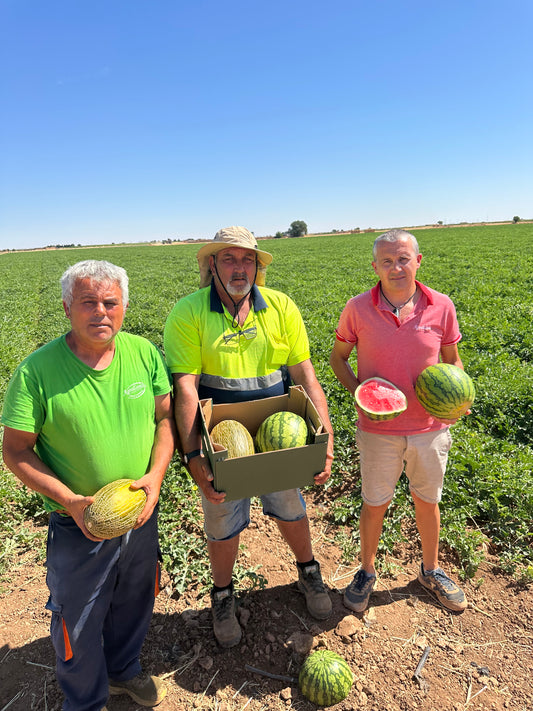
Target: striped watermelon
(445,391)
(379,399)
(115,509)
(280,431)
(234,437)
(325,678)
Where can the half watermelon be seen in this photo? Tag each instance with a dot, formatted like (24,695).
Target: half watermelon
(379,399)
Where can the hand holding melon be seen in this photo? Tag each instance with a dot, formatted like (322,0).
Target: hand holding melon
(115,509)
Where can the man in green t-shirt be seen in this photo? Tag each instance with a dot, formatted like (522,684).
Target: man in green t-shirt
(88,408)
(233,341)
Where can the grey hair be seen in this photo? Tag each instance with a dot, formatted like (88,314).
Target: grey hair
(99,271)
(394,236)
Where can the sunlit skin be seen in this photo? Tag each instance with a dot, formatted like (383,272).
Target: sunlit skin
(396,265)
(96,315)
(236,269)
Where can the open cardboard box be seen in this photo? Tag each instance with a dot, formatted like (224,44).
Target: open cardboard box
(264,472)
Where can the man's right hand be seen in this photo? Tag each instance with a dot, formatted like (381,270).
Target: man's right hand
(201,472)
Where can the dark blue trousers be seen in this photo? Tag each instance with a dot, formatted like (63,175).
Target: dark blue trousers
(101,598)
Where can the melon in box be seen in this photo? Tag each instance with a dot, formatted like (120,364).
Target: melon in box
(264,472)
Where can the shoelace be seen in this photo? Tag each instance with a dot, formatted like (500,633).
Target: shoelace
(223,607)
(441,577)
(314,580)
(362,580)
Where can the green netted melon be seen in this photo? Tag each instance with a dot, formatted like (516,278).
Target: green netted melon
(234,437)
(115,509)
(325,678)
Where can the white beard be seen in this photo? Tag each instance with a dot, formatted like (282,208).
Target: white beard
(238,291)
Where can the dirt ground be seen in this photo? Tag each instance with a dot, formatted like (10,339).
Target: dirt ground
(480,659)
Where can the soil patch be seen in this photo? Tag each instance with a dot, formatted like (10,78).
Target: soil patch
(480,659)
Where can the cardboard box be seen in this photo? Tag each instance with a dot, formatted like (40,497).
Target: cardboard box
(265,472)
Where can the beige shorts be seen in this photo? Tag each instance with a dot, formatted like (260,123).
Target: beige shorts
(384,458)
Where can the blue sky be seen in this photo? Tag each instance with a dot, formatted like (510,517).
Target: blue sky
(133,120)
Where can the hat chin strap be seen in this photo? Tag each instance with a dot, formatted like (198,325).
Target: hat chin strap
(238,304)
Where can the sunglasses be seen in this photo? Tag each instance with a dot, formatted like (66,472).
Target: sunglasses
(247,333)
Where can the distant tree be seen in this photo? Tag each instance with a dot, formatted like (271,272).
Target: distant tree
(516,219)
(439,222)
(297,229)
(278,235)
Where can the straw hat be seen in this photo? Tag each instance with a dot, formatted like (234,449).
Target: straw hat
(224,239)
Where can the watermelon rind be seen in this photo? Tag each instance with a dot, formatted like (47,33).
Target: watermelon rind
(445,391)
(380,415)
(281,430)
(233,436)
(115,509)
(325,678)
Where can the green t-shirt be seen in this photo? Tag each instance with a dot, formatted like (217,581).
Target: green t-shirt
(95,426)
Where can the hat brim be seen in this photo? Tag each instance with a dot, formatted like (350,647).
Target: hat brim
(212,248)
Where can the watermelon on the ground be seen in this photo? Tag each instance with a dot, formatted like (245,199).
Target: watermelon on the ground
(379,399)
(234,437)
(281,430)
(445,391)
(115,509)
(325,678)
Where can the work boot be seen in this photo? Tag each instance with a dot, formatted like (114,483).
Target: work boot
(225,625)
(310,583)
(443,587)
(146,690)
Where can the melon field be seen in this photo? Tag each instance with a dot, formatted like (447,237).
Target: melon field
(487,506)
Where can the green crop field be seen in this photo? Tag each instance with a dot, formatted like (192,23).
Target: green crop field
(487,271)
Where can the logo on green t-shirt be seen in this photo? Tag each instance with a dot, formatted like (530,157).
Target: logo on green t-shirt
(135,390)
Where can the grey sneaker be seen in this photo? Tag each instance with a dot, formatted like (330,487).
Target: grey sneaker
(225,624)
(357,593)
(146,690)
(310,583)
(446,591)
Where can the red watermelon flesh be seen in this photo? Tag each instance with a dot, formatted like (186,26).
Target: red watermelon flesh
(379,399)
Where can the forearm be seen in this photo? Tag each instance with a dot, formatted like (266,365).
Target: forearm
(344,372)
(186,413)
(38,477)
(163,449)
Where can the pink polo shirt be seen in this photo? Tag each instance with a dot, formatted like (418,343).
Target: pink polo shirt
(398,352)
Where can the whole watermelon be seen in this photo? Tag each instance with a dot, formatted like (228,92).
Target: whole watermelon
(281,430)
(115,509)
(325,678)
(445,391)
(234,437)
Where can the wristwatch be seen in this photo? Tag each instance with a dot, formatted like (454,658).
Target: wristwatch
(191,455)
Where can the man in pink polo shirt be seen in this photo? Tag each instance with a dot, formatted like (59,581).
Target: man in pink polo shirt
(399,328)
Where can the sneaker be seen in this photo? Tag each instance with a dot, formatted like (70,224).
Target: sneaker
(357,593)
(146,690)
(225,625)
(310,583)
(443,587)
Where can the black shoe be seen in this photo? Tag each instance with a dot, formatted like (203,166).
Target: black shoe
(357,593)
